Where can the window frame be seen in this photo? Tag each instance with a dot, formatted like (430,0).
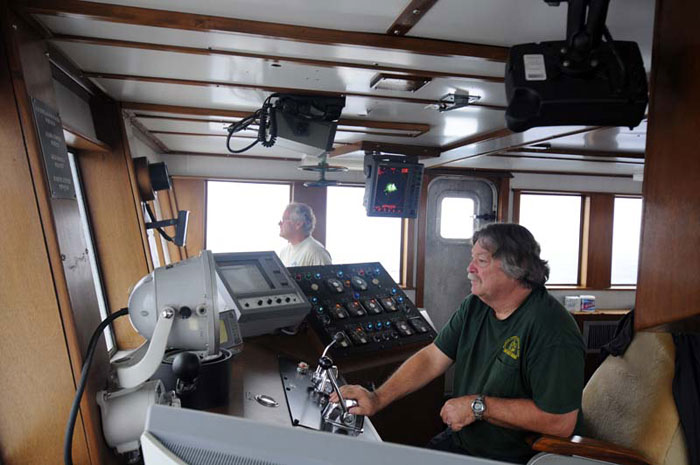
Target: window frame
(597,216)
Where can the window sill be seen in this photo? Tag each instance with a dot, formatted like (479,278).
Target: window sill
(590,289)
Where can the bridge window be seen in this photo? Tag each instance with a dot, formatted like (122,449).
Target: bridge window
(627,225)
(244,216)
(354,237)
(456,218)
(555,221)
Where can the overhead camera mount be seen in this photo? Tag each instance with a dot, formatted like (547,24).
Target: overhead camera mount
(582,80)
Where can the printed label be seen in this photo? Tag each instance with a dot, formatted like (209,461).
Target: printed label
(535,69)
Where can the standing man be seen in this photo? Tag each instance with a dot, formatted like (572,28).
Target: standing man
(297,224)
(518,356)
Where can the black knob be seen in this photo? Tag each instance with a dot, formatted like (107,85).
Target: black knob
(185,312)
(325,363)
(186,366)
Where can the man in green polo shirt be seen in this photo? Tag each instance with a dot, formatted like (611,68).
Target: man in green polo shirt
(518,356)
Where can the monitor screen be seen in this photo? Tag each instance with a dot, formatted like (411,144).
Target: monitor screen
(245,277)
(392,186)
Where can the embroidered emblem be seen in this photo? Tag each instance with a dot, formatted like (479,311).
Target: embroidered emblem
(512,347)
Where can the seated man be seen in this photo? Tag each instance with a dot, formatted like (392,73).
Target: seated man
(518,356)
(298,222)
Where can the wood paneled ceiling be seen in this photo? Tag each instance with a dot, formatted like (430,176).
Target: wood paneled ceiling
(184,75)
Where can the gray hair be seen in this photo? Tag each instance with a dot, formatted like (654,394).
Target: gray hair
(304,213)
(517,250)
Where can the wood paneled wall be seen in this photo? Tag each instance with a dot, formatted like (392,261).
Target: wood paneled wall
(597,241)
(39,345)
(116,230)
(668,288)
(190,194)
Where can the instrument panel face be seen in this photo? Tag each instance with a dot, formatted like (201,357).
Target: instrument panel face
(362,302)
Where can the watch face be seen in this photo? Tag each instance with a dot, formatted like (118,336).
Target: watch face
(478,406)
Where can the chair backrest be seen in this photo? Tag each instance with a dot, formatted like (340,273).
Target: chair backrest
(629,401)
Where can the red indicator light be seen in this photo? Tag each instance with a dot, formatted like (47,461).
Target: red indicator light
(404,170)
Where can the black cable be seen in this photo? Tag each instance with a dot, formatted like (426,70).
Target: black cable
(68,439)
(160,230)
(618,58)
(267,128)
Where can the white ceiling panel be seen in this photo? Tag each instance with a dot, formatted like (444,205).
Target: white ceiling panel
(253,44)
(529,164)
(447,127)
(610,140)
(117,60)
(189,144)
(356,15)
(206,127)
(344,133)
(511,22)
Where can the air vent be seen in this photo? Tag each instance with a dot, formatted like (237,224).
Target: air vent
(400,82)
(598,333)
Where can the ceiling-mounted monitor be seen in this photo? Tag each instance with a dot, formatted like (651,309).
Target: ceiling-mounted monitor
(392,185)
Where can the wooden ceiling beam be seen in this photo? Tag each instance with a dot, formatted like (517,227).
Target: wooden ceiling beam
(343,149)
(216,112)
(274,58)
(401,149)
(410,16)
(284,90)
(233,156)
(483,137)
(387,148)
(206,23)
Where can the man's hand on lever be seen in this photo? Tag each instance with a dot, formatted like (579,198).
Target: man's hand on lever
(367,401)
(421,368)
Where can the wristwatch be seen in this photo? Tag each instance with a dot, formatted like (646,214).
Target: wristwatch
(478,407)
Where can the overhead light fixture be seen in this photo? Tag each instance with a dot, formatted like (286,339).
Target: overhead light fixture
(453,101)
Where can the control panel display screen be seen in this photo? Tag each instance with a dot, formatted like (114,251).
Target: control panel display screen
(390,192)
(245,278)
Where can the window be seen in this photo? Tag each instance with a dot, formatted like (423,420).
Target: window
(555,221)
(244,216)
(92,256)
(354,237)
(627,224)
(456,218)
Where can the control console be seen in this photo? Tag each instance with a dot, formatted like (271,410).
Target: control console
(362,307)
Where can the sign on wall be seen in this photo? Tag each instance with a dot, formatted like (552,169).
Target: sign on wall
(54,151)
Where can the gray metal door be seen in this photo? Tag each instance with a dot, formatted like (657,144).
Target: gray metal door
(446,259)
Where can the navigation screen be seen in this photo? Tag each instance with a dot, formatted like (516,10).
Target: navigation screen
(244,278)
(390,194)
